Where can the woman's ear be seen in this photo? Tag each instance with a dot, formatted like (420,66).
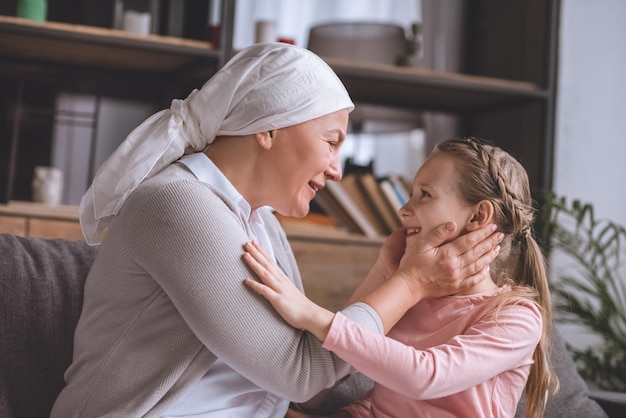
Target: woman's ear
(265,139)
(482,215)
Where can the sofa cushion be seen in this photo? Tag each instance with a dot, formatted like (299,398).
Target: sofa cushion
(41,288)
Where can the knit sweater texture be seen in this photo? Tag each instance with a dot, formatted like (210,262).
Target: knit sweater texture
(165,297)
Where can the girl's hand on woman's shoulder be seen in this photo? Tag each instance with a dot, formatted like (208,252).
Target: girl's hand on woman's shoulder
(274,285)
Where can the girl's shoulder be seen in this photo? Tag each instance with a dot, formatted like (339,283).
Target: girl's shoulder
(504,300)
(515,302)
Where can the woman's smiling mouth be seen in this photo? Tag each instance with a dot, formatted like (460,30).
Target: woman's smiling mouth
(314,187)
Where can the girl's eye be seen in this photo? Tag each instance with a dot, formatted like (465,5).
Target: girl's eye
(425,193)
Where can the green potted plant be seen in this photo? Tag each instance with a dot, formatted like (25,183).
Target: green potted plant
(589,285)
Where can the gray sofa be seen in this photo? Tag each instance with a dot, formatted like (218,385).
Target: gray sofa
(41,284)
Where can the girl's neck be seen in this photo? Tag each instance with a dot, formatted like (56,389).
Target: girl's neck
(484,286)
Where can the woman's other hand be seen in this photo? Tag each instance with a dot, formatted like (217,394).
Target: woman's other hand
(433,269)
(429,268)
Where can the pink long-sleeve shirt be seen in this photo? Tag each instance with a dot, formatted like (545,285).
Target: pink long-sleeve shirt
(456,356)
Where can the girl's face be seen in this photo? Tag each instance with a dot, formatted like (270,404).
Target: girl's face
(436,199)
(304,157)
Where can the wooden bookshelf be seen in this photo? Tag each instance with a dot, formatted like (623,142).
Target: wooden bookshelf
(102,48)
(514,105)
(421,88)
(474,97)
(39,220)
(38,60)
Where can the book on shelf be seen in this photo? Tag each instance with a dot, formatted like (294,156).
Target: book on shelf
(351,184)
(364,204)
(400,187)
(331,207)
(372,190)
(407,184)
(341,195)
(389,191)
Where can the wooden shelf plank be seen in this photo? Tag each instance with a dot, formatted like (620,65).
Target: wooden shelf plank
(296,229)
(419,88)
(404,87)
(63,43)
(39,210)
(308,232)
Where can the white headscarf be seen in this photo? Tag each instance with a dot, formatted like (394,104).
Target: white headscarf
(263,87)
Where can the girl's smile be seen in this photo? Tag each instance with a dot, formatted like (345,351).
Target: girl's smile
(435,198)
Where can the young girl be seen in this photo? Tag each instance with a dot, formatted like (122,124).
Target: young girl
(467,354)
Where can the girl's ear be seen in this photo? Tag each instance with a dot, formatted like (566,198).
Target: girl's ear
(265,139)
(482,215)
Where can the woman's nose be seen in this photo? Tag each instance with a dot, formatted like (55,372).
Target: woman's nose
(334,172)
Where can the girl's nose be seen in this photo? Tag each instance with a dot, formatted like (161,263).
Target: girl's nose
(404,211)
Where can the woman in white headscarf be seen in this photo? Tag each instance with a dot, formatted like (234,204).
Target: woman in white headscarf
(168,328)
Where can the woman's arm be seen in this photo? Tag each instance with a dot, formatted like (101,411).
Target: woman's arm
(190,243)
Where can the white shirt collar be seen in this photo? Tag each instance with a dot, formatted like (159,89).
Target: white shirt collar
(207,172)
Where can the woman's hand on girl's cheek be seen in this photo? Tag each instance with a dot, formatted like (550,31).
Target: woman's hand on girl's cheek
(435,269)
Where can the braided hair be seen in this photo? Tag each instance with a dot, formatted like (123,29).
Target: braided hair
(490,173)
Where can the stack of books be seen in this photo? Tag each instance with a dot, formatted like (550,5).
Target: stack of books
(364,204)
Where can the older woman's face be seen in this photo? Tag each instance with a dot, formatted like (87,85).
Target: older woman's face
(305,156)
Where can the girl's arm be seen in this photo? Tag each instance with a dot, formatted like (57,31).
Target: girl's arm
(499,341)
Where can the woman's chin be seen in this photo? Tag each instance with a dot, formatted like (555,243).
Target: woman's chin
(294,212)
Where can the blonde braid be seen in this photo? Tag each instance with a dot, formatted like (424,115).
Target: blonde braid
(519,215)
